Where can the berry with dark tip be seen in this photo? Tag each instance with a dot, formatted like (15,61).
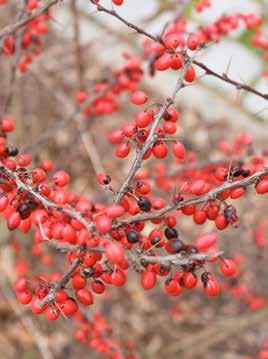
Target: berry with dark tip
(132,237)
(12,151)
(171,233)
(177,245)
(145,204)
(155,240)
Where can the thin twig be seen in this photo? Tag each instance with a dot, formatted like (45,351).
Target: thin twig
(179,259)
(61,283)
(11,29)
(47,203)
(152,137)
(212,195)
(223,77)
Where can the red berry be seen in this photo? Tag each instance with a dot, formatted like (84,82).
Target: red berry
(81,96)
(104,224)
(228,267)
(32,5)
(262,186)
(118,2)
(237,192)
(52,313)
(148,280)
(47,165)
(221,173)
(190,74)
(189,280)
(144,118)
(193,42)
(163,63)
(8,123)
(3,203)
(118,278)
(116,136)
(178,150)
(176,62)
(205,240)
(122,150)
(115,253)
(211,286)
(35,306)
(97,286)
(170,127)
(103,178)
(13,221)
(172,287)
(61,178)
(172,40)
(200,216)
(139,98)
(25,297)
(221,222)
(20,285)
(78,282)
(115,211)
(84,296)
(69,307)
(160,149)
(143,187)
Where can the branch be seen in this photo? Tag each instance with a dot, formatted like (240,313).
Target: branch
(152,135)
(224,77)
(127,23)
(10,29)
(176,170)
(67,247)
(61,283)
(212,195)
(46,203)
(176,259)
(180,259)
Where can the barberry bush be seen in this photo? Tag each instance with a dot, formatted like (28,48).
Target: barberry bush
(133,177)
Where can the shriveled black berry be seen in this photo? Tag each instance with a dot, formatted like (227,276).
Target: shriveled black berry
(145,204)
(178,198)
(12,151)
(190,267)
(24,210)
(205,277)
(171,233)
(177,245)
(32,204)
(88,272)
(144,263)
(164,269)
(245,173)
(236,171)
(132,237)
(168,280)
(107,180)
(191,249)
(155,240)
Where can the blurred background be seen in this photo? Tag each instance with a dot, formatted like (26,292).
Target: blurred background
(191,326)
